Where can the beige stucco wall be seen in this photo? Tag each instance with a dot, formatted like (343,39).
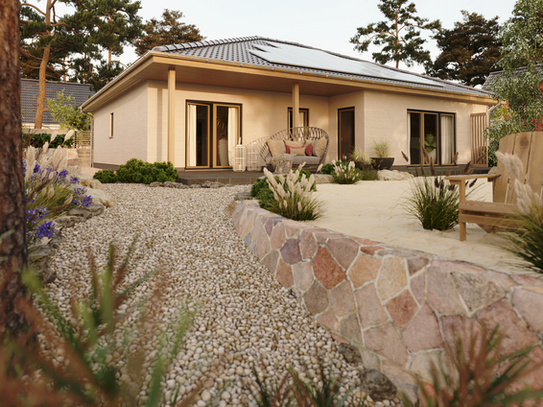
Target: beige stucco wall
(129,128)
(262,113)
(385,117)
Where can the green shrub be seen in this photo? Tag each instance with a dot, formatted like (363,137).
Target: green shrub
(138,171)
(328,169)
(60,141)
(106,176)
(39,139)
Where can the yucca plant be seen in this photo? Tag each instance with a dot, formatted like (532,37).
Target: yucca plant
(475,374)
(75,360)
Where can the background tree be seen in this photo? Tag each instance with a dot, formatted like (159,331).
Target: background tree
(468,52)
(170,30)
(520,86)
(399,35)
(13,251)
(104,26)
(46,42)
(65,110)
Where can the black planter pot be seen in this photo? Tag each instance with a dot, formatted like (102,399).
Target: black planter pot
(384,163)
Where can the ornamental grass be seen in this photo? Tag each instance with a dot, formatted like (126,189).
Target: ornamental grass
(292,197)
(346,173)
(525,241)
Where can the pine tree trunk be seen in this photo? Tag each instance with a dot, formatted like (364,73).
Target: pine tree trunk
(38,120)
(13,251)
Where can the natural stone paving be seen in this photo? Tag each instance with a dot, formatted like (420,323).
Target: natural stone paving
(246,316)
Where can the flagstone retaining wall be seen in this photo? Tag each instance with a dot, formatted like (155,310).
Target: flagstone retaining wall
(398,306)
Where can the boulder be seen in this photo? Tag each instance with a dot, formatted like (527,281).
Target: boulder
(88,181)
(101,197)
(387,175)
(155,184)
(242,196)
(351,353)
(212,184)
(377,385)
(282,163)
(323,179)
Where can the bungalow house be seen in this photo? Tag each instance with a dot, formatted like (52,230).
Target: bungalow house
(192,103)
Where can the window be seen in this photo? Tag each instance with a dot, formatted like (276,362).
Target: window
(111,125)
(303,118)
(434,132)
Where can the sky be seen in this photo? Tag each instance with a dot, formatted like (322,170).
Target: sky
(324,24)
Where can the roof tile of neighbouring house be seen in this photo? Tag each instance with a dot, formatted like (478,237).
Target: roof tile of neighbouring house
(244,50)
(495,75)
(29,96)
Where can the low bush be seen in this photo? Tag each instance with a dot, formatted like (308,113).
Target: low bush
(291,196)
(38,140)
(328,169)
(106,176)
(138,171)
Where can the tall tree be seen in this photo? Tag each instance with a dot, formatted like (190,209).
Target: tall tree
(170,30)
(399,35)
(520,86)
(468,52)
(104,26)
(47,40)
(13,251)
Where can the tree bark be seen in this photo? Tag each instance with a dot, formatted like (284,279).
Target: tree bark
(13,250)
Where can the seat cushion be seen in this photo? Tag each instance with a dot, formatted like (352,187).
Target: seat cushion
(305,159)
(298,151)
(292,144)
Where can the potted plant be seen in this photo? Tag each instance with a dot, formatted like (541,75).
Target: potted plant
(381,159)
(430,144)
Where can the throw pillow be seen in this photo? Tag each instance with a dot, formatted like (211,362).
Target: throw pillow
(319,147)
(309,149)
(276,147)
(298,151)
(293,144)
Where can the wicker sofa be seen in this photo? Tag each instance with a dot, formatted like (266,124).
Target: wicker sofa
(300,137)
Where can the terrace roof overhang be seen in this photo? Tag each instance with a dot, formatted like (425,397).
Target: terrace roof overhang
(155,66)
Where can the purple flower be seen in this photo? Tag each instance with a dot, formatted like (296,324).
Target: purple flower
(36,167)
(46,229)
(63,174)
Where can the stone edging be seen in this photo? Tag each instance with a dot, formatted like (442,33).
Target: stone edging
(399,307)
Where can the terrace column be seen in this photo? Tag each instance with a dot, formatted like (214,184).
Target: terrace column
(296,105)
(171,116)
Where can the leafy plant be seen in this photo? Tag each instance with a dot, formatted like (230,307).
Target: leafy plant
(106,176)
(478,375)
(38,140)
(430,142)
(64,110)
(77,360)
(292,196)
(138,171)
(346,173)
(381,148)
(328,168)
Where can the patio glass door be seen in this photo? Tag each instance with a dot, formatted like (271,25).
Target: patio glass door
(345,133)
(213,130)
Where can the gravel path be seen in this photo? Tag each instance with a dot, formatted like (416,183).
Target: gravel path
(245,314)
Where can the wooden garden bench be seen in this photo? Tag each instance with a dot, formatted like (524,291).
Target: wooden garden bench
(501,212)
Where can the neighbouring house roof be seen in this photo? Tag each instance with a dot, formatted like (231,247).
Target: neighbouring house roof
(29,96)
(262,51)
(260,63)
(495,75)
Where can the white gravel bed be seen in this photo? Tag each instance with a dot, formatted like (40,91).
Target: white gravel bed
(245,314)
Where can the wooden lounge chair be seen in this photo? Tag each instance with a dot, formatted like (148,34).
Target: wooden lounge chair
(500,213)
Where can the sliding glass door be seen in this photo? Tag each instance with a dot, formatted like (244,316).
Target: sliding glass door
(213,130)
(433,132)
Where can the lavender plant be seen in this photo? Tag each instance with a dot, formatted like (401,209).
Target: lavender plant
(50,191)
(292,196)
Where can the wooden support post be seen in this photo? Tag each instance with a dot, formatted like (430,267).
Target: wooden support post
(171,116)
(296,105)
